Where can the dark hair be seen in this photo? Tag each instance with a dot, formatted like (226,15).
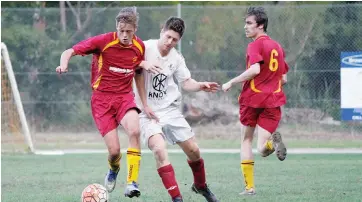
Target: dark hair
(260,16)
(176,24)
(128,15)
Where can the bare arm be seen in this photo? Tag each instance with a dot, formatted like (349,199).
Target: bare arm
(64,60)
(191,85)
(247,75)
(140,84)
(250,73)
(284,79)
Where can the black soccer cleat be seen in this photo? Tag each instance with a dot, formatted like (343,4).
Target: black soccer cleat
(177,199)
(209,196)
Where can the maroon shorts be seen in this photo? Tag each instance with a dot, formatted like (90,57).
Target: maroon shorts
(108,109)
(267,118)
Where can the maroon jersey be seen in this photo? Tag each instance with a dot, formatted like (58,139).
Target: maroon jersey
(265,89)
(113,64)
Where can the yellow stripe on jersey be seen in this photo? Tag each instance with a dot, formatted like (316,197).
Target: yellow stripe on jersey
(100,63)
(253,88)
(138,45)
(110,44)
(96,84)
(279,88)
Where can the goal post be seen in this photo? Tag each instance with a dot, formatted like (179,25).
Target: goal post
(16,96)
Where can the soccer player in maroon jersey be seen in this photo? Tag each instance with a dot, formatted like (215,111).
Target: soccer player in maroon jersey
(116,55)
(262,94)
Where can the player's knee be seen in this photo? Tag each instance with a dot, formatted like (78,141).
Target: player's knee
(114,152)
(134,132)
(248,138)
(159,152)
(194,152)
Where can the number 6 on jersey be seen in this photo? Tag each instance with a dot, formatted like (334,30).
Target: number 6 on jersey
(273,64)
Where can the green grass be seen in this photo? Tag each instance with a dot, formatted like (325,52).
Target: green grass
(203,143)
(299,178)
(303,143)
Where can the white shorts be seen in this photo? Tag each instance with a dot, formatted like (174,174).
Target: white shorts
(172,126)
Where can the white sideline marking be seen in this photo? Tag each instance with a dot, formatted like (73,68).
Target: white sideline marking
(216,151)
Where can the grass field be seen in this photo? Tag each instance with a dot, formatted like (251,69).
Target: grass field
(298,178)
(94,141)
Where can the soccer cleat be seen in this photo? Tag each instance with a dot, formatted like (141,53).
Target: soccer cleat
(209,196)
(248,192)
(177,199)
(132,190)
(110,180)
(280,149)
(266,152)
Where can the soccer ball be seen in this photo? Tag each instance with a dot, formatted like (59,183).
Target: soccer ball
(94,193)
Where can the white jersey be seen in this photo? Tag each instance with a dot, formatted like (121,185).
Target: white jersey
(161,89)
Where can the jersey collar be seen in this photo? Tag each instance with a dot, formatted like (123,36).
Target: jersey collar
(262,37)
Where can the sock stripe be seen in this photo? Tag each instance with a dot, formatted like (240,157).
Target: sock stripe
(115,160)
(133,150)
(115,164)
(251,163)
(134,153)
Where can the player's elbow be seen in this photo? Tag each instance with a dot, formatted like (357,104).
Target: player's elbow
(255,69)
(186,85)
(284,79)
(69,52)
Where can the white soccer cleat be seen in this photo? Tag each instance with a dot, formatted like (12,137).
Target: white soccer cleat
(132,190)
(110,180)
(279,146)
(249,192)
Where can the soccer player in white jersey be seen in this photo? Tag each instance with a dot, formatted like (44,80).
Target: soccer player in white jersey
(161,120)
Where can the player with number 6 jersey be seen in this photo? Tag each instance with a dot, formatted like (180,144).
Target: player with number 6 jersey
(261,96)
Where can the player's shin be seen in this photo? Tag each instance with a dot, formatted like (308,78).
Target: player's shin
(198,170)
(247,168)
(265,142)
(266,149)
(247,164)
(133,164)
(168,178)
(114,162)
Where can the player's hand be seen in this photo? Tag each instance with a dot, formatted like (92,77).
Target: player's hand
(150,114)
(153,67)
(61,69)
(226,86)
(209,86)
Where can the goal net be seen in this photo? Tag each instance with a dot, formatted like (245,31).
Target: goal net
(15,135)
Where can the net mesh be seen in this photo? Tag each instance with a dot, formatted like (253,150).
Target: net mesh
(58,109)
(12,139)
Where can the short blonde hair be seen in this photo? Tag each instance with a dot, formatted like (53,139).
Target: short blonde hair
(128,15)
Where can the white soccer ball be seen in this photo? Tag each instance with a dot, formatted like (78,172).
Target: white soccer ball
(94,193)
